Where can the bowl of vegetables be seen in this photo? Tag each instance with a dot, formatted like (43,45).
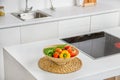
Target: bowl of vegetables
(61,53)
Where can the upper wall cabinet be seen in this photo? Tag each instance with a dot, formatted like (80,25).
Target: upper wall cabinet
(104,21)
(74,27)
(39,32)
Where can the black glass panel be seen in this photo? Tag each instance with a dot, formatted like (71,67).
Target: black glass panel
(96,44)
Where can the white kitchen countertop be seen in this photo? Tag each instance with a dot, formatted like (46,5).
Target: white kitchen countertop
(29,54)
(62,13)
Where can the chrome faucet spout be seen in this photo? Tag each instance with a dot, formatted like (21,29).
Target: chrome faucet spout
(26,7)
(52,8)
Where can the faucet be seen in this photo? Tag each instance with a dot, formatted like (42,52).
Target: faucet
(52,8)
(26,7)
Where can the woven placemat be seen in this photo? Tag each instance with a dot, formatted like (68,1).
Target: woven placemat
(47,65)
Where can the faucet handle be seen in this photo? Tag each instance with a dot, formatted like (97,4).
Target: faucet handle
(30,8)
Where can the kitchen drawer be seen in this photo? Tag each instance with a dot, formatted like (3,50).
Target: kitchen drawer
(74,27)
(39,32)
(104,21)
(9,36)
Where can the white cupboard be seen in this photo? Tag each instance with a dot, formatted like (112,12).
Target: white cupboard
(104,21)
(8,37)
(39,32)
(1,65)
(73,27)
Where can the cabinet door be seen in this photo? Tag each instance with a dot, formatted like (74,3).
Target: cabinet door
(39,32)
(104,21)
(1,65)
(8,37)
(74,27)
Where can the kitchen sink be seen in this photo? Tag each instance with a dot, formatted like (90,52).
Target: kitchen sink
(30,15)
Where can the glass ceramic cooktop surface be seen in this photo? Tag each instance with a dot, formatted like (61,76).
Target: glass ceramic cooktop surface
(96,45)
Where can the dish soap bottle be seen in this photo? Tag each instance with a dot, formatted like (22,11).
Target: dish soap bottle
(2,13)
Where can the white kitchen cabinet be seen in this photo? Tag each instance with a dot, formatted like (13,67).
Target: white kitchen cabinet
(8,37)
(1,65)
(39,32)
(74,27)
(12,68)
(104,21)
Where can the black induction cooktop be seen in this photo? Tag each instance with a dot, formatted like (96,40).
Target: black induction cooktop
(96,45)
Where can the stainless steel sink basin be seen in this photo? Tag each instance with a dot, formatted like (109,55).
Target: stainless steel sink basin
(30,15)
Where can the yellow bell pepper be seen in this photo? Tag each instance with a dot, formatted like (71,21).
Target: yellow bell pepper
(64,54)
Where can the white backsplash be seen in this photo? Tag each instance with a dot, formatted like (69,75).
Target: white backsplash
(16,5)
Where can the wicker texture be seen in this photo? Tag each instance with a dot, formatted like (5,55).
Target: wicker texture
(71,66)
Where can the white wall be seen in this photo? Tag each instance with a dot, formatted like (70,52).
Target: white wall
(15,5)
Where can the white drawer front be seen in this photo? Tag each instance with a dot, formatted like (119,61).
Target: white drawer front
(104,21)
(73,27)
(39,32)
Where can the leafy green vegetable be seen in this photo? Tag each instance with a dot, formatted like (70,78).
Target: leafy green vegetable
(49,51)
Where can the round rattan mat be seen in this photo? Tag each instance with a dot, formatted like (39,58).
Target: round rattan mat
(47,65)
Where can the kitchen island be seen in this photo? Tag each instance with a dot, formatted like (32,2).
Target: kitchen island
(22,61)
